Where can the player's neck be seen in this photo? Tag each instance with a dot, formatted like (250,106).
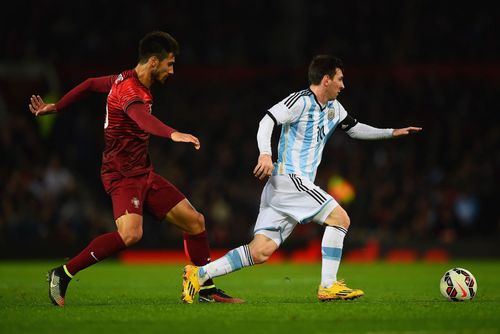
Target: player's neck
(320,94)
(144,74)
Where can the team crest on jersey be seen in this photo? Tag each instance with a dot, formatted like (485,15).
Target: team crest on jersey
(331,113)
(135,202)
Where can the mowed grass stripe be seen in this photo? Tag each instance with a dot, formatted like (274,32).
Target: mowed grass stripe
(113,298)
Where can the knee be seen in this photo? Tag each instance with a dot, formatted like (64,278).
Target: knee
(131,236)
(197,223)
(345,221)
(339,217)
(200,221)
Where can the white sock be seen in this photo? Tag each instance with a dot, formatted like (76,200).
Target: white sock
(331,252)
(233,260)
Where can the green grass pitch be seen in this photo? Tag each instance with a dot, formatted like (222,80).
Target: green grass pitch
(115,298)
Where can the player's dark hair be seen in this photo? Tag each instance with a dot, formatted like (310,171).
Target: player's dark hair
(159,44)
(322,65)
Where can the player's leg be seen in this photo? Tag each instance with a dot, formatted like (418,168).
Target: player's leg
(192,223)
(302,199)
(271,229)
(165,201)
(127,209)
(337,223)
(260,249)
(129,232)
(196,246)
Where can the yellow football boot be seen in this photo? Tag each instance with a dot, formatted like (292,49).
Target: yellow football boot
(190,284)
(338,290)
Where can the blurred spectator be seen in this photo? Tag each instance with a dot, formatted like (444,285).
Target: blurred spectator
(415,62)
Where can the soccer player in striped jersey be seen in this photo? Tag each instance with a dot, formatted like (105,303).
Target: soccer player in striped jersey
(127,172)
(290,197)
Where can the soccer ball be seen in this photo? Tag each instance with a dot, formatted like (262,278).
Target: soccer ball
(458,284)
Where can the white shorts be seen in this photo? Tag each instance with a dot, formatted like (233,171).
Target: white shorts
(288,200)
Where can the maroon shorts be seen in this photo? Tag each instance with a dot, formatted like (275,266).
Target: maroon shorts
(148,191)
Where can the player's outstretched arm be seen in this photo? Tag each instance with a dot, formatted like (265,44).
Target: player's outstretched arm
(405,131)
(91,85)
(185,138)
(139,112)
(363,131)
(40,108)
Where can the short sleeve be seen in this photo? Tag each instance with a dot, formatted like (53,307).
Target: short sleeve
(342,111)
(286,112)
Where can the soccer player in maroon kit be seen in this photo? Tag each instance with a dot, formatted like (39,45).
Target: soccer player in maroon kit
(127,173)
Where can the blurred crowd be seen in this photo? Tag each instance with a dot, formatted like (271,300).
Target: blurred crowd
(413,63)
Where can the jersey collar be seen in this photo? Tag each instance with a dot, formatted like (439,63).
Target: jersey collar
(317,102)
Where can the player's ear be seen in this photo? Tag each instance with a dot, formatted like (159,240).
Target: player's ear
(326,79)
(154,61)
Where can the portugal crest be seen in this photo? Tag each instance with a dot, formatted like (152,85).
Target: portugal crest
(135,202)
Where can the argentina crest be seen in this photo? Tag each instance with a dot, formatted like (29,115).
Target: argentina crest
(331,113)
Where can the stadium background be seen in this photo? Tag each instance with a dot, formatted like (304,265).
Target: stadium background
(423,63)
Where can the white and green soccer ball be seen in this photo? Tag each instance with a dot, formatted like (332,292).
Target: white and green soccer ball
(458,284)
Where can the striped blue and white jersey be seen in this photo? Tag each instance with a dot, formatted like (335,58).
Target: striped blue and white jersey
(306,127)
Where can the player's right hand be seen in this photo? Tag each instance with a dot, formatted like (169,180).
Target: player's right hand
(185,138)
(264,167)
(38,107)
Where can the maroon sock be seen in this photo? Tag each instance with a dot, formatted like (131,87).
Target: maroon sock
(197,250)
(98,249)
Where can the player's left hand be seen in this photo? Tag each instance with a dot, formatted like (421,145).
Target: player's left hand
(186,138)
(405,131)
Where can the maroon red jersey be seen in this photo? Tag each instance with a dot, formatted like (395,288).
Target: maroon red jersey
(125,143)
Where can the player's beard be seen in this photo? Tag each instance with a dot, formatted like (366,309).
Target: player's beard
(157,76)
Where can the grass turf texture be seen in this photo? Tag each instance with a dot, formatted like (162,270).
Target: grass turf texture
(113,298)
